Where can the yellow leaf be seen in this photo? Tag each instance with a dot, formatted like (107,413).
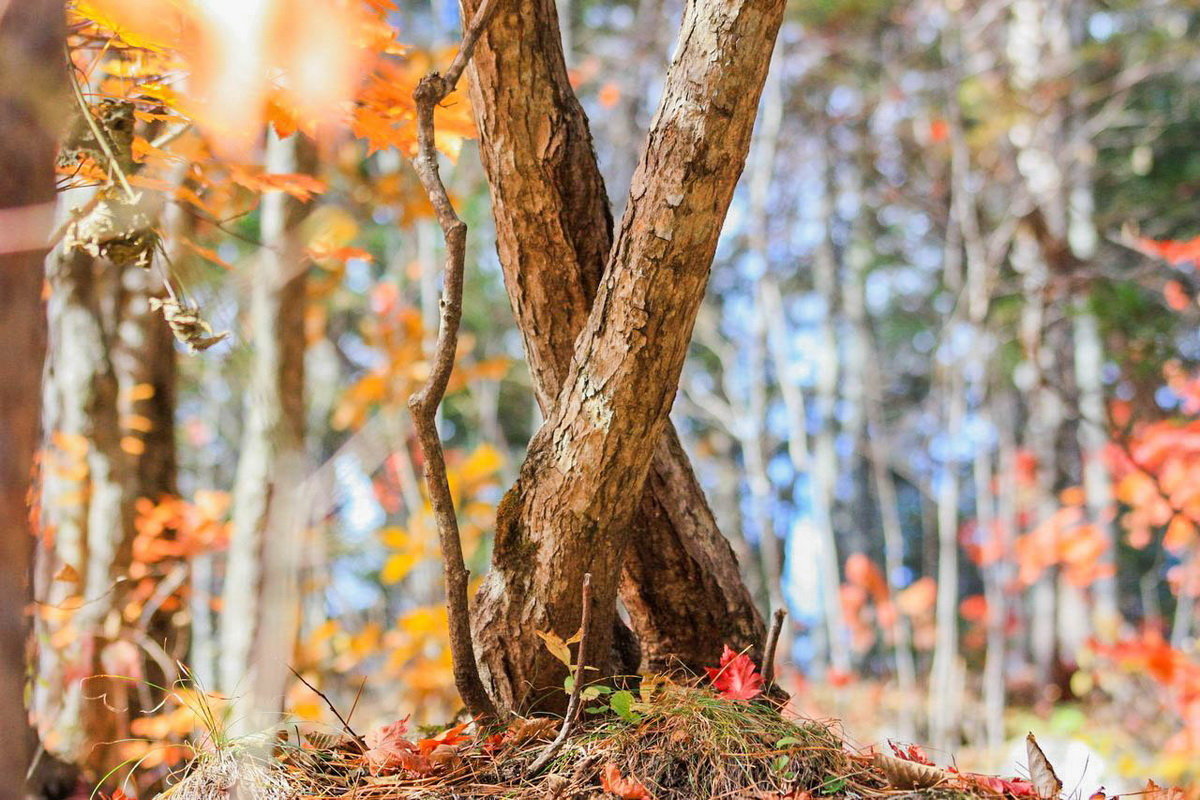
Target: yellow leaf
(133,445)
(484,462)
(310,710)
(75,444)
(395,537)
(140,23)
(557,647)
(397,567)
(424,621)
(140,391)
(138,422)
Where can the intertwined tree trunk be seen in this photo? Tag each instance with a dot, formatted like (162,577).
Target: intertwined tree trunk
(680,583)
(573,507)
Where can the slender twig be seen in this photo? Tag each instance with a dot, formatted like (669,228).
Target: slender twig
(345,724)
(432,89)
(101,136)
(576,690)
(768,671)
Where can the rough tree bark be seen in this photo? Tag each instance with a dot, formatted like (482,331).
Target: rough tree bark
(571,509)
(31,87)
(681,583)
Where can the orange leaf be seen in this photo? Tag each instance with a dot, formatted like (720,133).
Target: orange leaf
(450,736)
(625,788)
(1173,252)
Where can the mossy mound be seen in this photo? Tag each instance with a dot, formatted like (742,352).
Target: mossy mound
(685,742)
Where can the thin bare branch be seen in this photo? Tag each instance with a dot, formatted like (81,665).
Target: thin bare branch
(345,723)
(768,670)
(432,89)
(576,690)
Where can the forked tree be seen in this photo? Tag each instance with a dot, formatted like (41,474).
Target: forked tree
(606,318)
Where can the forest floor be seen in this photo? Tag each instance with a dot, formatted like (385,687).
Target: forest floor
(667,741)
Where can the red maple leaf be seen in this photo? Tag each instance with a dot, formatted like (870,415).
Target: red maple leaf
(737,678)
(912,752)
(625,788)
(450,736)
(1011,787)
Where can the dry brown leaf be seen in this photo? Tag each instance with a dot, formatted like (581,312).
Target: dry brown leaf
(1041,774)
(532,729)
(1155,792)
(909,774)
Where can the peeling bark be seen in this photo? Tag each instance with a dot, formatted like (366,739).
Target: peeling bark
(571,509)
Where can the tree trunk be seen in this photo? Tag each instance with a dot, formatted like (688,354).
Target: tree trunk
(107,444)
(31,84)
(259,602)
(824,472)
(572,508)
(681,583)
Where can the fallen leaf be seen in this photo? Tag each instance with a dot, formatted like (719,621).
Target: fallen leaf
(912,752)
(450,736)
(387,749)
(625,788)
(1041,774)
(1155,792)
(904,774)
(1011,787)
(737,678)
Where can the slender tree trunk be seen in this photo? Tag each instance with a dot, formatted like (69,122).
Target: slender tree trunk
(997,576)
(259,602)
(944,704)
(881,478)
(571,510)
(825,465)
(86,509)
(753,430)
(681,584)
(31,94)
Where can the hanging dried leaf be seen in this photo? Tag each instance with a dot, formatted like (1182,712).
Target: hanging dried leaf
(114,119)
(116,228)
(1041,774)
(904,774)
(187,325)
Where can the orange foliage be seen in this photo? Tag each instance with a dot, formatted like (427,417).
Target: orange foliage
(307,56)
(1158,478)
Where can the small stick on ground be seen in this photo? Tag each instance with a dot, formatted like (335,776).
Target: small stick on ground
(345,723)
(432,89)
(768,671)
(574,703)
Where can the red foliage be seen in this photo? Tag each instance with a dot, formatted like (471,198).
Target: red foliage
(1175,253)
(737,678)
(912,752)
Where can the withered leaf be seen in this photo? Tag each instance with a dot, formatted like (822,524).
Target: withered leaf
(1041,773)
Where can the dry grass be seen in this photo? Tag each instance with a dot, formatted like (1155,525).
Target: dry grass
(680,742)
(692,743)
